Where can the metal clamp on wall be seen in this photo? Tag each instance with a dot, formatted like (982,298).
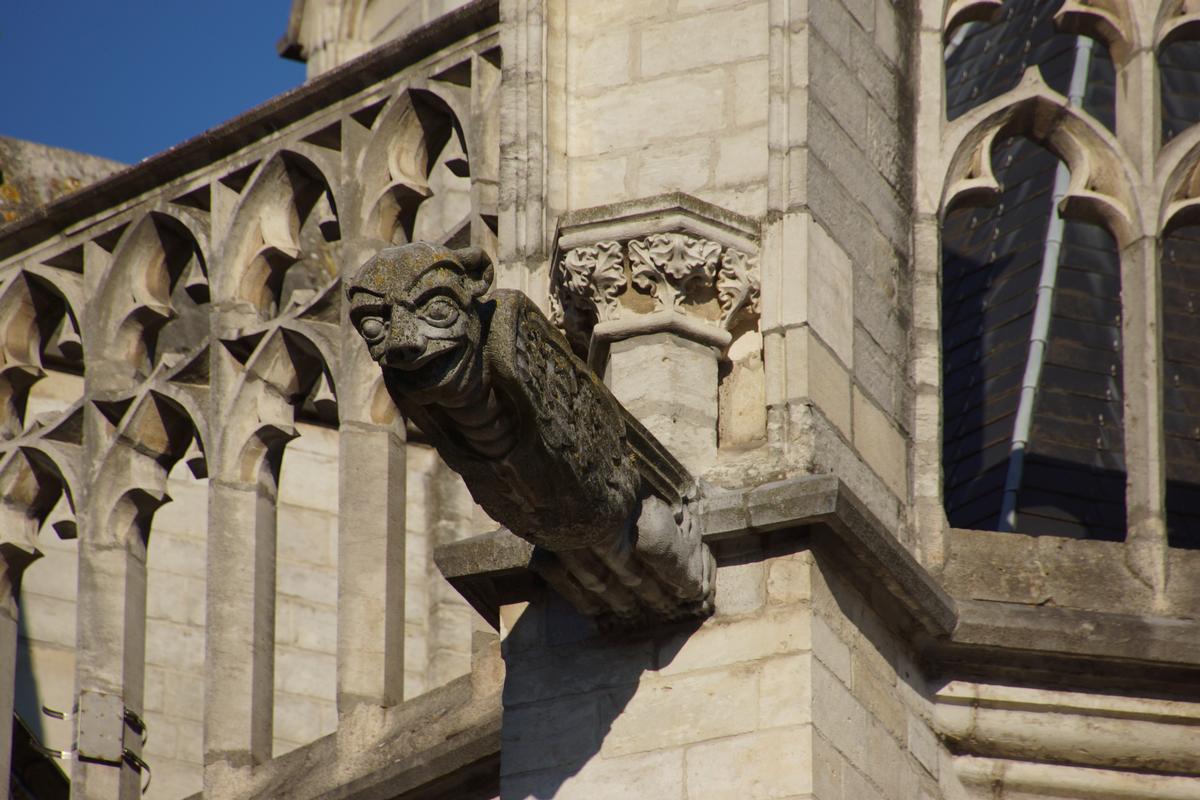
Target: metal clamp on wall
(101,720)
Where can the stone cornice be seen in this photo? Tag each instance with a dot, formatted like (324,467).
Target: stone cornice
(954,635)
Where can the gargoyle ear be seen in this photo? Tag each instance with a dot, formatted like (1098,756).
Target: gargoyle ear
(478,269)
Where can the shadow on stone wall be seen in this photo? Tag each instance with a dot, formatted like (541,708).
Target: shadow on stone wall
(566,685)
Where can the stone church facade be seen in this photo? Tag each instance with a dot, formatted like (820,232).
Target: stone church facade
(904,293)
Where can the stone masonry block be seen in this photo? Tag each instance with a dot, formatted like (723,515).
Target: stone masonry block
(765,765)
(877,373)
(688,43)
(785,691)
(784,272)
(600,60)
(314,585)
(670,385)
(179,555)
(863,12)
(887,31)
(665,713)
(833,22)
(831,293)
(55,574)
(680,167)
(306,536)
(828,766)
(658,775)
(834,207)
(885,761)
(719,643)
(828,385)
(169,644)
(875,73)
(299,719)
(646,113)
(845,154)
(176,599)
(177,778)
(831,650)
(923,744)
(741,588)
(856,785)
(183,695)
(838,715)
(596,181)
(308,478)
(834,86)
(877,692)
(554,733)
(789,579)
(307,626)
(880,444)
(153,686)
(617,13)
(885,147)
(747,93)
(742,157)
(305,672)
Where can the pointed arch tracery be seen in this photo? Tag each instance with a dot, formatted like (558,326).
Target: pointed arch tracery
(287,217)
(286,369)
(39,329)
(1102,177)
(156,429)
(1114,23)
(417,143)
(158,278)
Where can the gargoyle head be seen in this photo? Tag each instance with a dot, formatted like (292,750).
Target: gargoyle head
(417,306)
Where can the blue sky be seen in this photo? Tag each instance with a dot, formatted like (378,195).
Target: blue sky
(125,79)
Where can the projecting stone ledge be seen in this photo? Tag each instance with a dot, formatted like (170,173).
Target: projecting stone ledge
(955,635)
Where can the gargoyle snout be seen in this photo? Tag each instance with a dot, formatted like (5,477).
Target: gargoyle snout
(404,349)
(405,344)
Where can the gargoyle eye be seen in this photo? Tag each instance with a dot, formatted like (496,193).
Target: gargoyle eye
(372,329)
(440,312)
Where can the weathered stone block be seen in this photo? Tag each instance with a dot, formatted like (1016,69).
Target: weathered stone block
(684,708)
(742,157)
(766,765)
(561,731)
(720,643)
(690,43)
(684,166)
(601,60)
(785,691)
(651,111)
(828,385)
(838,715)
(880,444)
(741,588)
(670,385)
(789,579)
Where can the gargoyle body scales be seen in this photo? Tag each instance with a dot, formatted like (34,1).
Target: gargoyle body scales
(541,443)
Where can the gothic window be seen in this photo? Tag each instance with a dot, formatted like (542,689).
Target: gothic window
(1031,317)
(1179,83)
(1181,384)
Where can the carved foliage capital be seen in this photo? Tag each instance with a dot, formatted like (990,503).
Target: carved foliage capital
(670,271)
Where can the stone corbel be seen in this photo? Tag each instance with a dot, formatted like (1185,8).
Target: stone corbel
(670,263)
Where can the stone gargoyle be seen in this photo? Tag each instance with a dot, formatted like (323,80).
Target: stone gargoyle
(541,443)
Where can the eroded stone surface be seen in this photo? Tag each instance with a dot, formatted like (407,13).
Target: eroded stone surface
(543,445)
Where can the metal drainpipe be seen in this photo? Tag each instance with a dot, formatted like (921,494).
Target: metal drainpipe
(1040,329)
